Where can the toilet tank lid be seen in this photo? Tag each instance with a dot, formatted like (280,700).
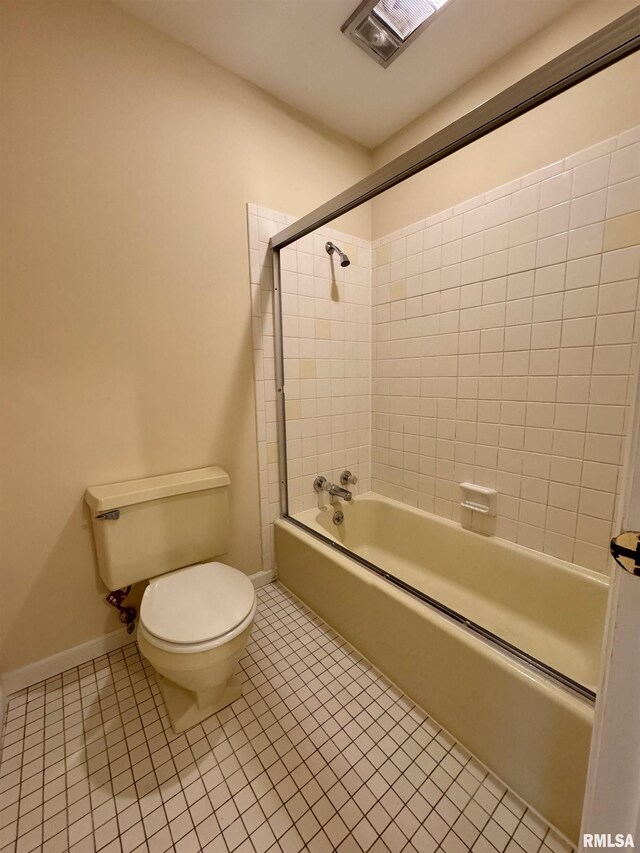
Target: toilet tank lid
(115,495)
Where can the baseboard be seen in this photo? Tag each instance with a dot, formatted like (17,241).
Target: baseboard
(31,674)
(262,578)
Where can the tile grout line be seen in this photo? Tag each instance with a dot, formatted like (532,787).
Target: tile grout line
(339,754)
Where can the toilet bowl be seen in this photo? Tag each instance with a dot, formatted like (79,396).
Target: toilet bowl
(194,626)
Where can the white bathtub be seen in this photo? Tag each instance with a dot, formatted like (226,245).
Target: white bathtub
(530,730)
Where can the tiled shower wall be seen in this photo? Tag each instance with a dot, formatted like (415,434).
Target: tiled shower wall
(327,351)
(504,352)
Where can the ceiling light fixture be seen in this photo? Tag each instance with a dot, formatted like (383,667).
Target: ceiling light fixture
(384,28)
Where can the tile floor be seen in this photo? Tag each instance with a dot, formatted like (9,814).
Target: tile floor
(322,753)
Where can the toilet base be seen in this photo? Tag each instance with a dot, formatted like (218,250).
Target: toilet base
(182,705)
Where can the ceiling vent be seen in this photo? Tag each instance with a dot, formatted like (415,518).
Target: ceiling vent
(384,28)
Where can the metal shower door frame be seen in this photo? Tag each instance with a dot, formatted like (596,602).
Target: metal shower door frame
(604,48)
(614,42)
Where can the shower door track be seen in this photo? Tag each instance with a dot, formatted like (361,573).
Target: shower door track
(474,627)
(603,48)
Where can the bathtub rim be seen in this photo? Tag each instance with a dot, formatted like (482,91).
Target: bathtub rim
(494,640)
(592,576)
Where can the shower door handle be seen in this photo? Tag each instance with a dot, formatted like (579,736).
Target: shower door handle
(625,550)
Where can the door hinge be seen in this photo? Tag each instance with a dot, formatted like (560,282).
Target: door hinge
(625,550)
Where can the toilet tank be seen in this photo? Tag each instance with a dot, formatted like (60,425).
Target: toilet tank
(145,528)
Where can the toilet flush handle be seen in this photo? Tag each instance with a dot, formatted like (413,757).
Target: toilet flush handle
(111,515)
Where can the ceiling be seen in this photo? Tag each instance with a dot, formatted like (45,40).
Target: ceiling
(294,49)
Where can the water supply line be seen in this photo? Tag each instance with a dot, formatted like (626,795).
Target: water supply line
(127,614)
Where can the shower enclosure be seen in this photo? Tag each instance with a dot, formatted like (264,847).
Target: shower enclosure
(413,344)
(490,345)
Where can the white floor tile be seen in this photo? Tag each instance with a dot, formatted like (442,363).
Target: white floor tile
(321,753)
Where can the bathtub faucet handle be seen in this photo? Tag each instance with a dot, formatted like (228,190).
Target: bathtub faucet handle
(347,477)
(321,484)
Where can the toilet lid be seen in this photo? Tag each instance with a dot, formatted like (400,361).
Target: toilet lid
(196,604)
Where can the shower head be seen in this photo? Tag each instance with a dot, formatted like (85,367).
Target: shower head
(331,248)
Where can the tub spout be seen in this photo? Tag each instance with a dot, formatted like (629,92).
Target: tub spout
(339,492)
(321,484)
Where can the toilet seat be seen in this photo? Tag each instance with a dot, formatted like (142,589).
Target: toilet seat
(197,608)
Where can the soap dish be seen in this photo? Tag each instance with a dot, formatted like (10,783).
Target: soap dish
(478,498)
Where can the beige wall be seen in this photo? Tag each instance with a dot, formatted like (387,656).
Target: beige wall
(127,164)
(596,109)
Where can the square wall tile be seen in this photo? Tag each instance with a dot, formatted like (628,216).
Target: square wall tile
(506,326)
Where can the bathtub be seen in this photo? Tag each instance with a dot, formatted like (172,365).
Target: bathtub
(500,644)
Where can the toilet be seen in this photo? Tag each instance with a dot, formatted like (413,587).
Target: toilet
(196,613)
